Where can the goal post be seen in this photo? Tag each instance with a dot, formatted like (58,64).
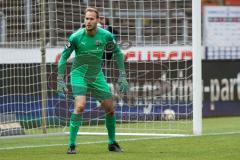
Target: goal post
(43,65)
(197,67)
(161,42)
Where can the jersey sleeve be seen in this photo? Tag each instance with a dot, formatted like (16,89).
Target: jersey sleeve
(68,49)
(118,56)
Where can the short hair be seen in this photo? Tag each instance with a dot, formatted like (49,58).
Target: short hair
(91,9)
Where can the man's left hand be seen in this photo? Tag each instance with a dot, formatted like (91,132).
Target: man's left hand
(123,84)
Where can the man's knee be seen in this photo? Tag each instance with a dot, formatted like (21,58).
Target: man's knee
(80,102)
(79,109)
(108,106)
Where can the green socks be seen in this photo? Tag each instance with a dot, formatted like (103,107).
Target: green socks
(111,125)
(75,122)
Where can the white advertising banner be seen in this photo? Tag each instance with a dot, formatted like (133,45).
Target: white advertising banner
(158,53)
(221,26)
(132,54)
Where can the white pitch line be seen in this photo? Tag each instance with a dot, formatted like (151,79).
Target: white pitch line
(120,140)
(82,143)
(221,133)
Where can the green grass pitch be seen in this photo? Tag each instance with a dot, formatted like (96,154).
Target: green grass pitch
(220,141)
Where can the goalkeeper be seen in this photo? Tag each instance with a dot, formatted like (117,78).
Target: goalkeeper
(89,44)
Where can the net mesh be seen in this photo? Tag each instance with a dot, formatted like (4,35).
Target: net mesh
(155,37)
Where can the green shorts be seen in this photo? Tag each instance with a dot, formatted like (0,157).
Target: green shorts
(98,87)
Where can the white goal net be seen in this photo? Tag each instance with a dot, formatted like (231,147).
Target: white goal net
(155,37)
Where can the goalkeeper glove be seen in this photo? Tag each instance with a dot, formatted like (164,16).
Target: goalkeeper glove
(61,86)
(122,82)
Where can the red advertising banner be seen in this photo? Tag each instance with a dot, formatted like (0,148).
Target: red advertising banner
(232,2)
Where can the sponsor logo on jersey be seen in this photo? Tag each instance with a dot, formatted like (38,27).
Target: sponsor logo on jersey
(97,43)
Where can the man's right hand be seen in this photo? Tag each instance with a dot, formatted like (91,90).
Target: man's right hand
(61,86)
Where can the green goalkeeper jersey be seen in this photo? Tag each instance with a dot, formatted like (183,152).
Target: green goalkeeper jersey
(88,53)
(86,72)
